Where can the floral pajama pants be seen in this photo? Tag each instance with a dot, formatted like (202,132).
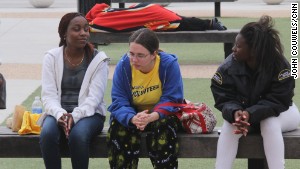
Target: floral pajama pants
(161,139)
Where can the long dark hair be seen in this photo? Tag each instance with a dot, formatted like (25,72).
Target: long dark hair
(147,38)
(264,43)
(63,27)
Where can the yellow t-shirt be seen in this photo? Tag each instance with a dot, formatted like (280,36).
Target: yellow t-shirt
(146,88)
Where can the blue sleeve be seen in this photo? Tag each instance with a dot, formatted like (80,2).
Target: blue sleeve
(121,108)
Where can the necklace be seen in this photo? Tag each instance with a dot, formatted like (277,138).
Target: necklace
(68,59)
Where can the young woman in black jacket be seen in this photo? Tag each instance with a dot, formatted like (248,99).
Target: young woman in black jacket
(253,89)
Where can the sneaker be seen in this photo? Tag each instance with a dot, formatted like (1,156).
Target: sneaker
(217,25)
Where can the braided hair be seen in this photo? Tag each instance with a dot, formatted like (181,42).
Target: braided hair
(63,27)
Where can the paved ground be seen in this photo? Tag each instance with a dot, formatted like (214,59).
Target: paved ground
(27,32)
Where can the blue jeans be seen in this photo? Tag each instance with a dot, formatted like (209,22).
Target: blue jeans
(79,141)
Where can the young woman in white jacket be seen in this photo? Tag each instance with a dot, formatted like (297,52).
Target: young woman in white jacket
(74,80)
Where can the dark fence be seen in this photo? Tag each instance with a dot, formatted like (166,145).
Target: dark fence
(84,6)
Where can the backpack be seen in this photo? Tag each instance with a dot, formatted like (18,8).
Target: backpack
(195,118)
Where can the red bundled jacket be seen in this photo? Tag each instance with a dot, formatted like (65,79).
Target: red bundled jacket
(153,16)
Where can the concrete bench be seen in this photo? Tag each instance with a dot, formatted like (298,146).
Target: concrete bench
(203,146)
(211,36)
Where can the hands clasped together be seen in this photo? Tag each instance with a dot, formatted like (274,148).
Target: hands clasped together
(241,122)
(143,118)
(66,122)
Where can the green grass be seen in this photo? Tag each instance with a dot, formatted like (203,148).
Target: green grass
(196,90)
(144,163)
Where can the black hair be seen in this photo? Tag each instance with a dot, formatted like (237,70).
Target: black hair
(264,44)
(63,27)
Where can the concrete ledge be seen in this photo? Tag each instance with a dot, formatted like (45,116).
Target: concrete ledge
(191,145)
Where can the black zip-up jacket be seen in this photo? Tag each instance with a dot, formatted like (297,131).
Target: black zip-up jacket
(235,87)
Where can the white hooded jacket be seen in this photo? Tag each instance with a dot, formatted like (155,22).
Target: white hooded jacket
(90,100)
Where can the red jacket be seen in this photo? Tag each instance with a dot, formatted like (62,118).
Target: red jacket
(155,17)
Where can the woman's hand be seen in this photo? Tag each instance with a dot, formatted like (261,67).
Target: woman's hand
(241,122)
(62,121)
(142,119)
(70,123)
(66,122)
